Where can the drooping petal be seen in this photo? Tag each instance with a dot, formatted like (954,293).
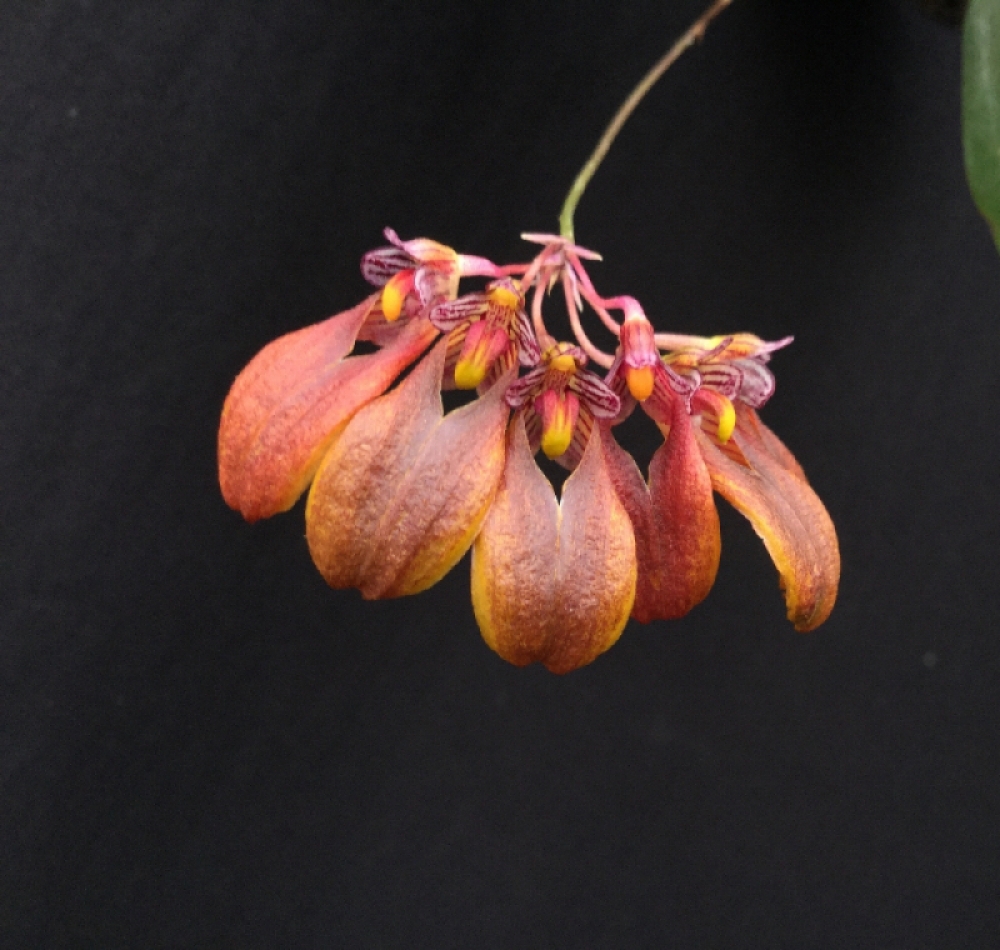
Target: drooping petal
(287,404)
(514,582)
(403,490)
(552,582)
(788,516)
(677,537)
(582,429)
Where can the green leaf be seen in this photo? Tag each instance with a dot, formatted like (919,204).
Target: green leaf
(981,107)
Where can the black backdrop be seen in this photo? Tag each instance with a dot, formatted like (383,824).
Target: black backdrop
(203,746)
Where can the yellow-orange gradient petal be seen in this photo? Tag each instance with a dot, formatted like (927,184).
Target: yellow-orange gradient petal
(676,524)
(788,516)
(289,401)
(553,582)
(403,489)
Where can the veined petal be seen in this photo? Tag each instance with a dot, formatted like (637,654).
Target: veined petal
(601,400)
(527,345)
(449,314)
(378,266)
(287,404)
(788,516)
(553,582)
(521,390)
(725,378)
(403,490)
(677,537)
(757,384)
(435,282)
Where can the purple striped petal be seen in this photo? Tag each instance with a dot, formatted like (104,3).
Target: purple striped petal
(378,266)
(757,385)
(446,316)
(522,389)
(600,399)
(528,350)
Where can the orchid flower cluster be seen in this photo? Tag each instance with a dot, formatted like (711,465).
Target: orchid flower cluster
(399,490)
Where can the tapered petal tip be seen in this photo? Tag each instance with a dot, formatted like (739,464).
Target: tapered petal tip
(786,514)
(292,400)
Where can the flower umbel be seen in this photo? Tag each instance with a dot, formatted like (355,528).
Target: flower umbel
(401,489)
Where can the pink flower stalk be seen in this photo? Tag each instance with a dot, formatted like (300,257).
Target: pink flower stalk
(400,490)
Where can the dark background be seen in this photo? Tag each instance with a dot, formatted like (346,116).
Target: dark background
(203,746)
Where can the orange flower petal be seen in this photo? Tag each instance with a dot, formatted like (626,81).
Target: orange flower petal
(752,428)
(676,524)
(403,489)
(287,404)
(785,512)
(553,582)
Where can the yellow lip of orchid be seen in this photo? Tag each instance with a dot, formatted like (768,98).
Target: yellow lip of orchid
(563,363)
(394,294)
(471,371)
(559,412)
(718,411)
(640,381)
(504,297)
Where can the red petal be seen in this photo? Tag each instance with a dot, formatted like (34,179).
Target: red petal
(287,404)
(404,489)
(553,583)
(786,513)
(676,524)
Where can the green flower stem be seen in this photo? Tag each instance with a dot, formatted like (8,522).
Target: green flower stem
(694,33)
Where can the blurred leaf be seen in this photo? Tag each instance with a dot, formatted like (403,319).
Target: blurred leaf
(981,107)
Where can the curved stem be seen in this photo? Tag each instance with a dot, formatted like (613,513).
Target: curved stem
(591,295)
(537,320)
(597,355)
(694,33)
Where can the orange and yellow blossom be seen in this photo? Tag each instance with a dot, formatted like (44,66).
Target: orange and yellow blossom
(401,489)
(715,440)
